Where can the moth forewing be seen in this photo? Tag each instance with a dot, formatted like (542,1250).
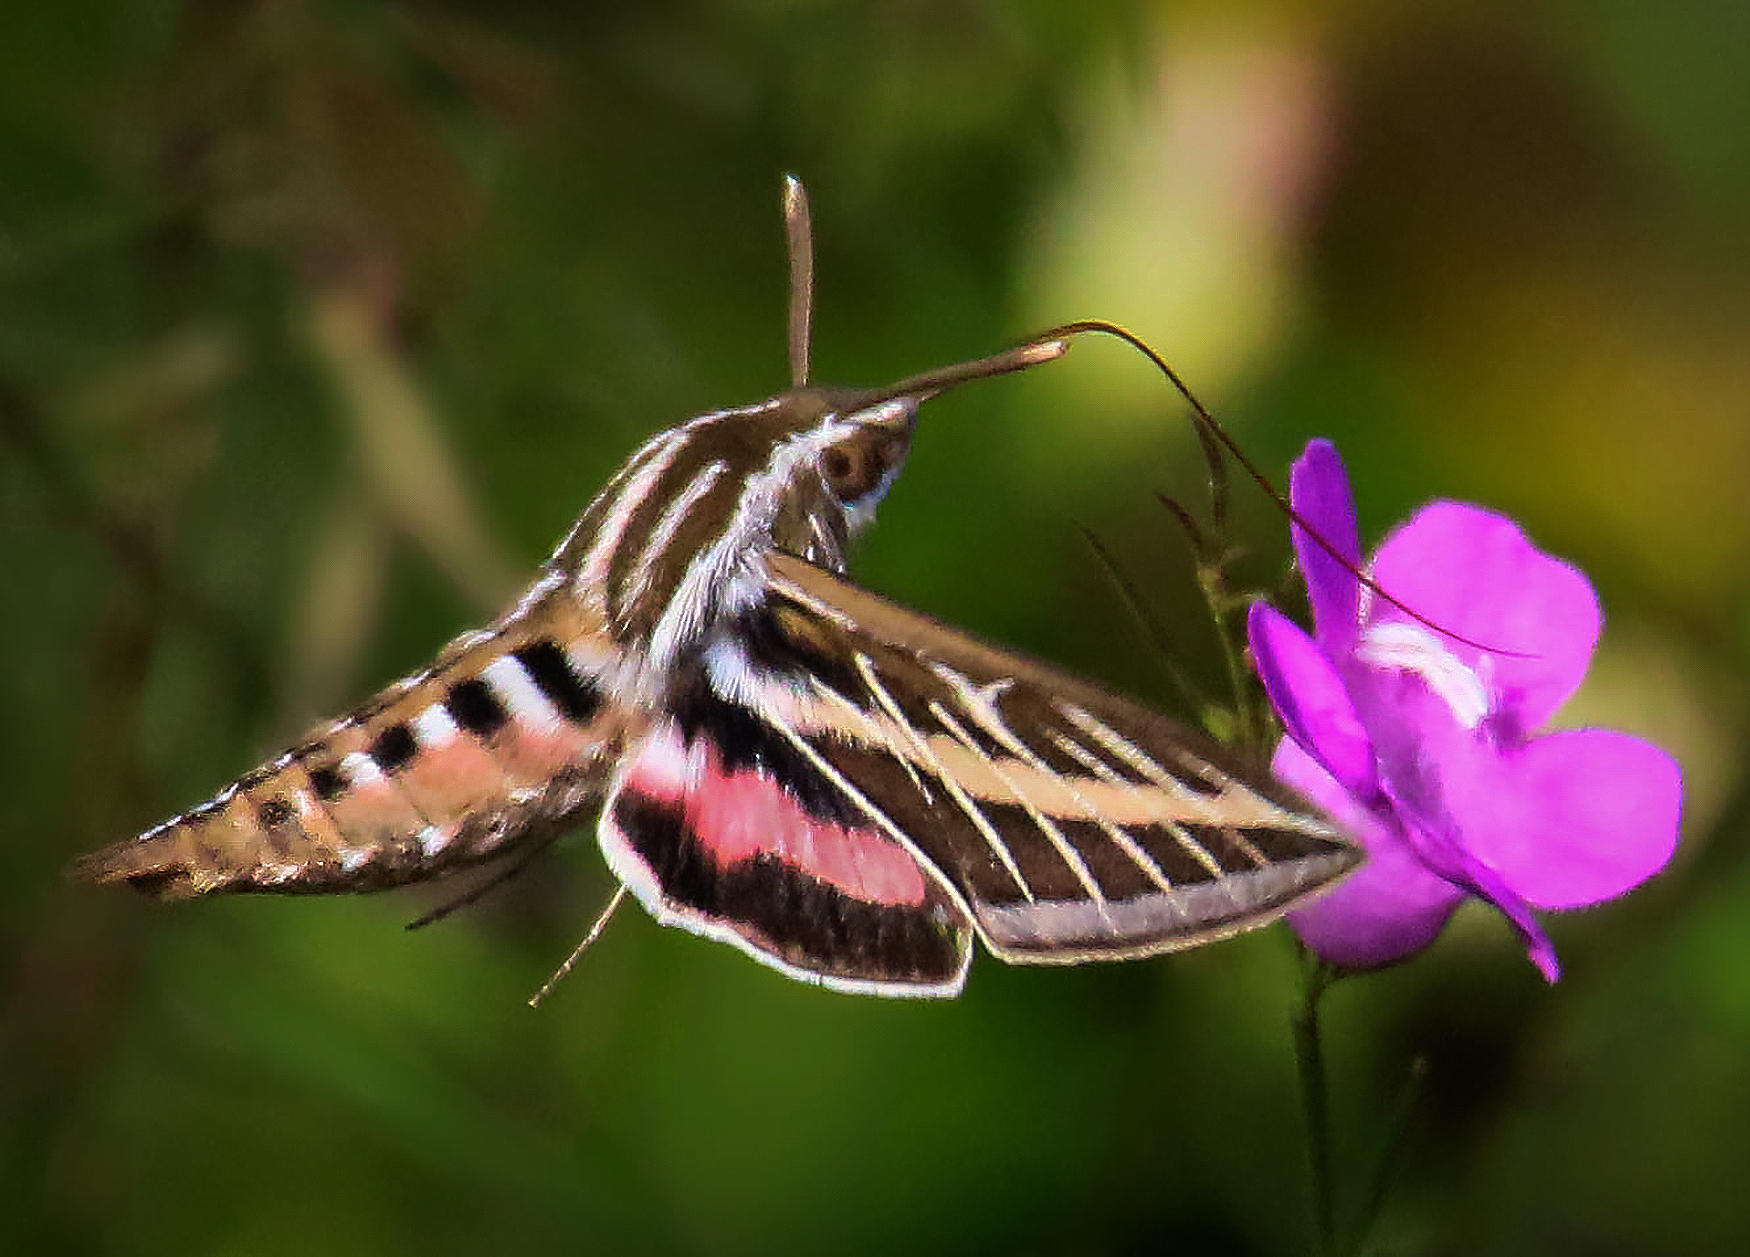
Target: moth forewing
(1074,824)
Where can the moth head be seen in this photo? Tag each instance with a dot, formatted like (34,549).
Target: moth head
(859,467)
(851,453)
(678,540)
(842,450)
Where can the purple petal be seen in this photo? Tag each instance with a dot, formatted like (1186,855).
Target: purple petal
(1389,908)
(1416,738)
(1575,817)
(1438,841)
(1538,949)
(1318,488)
(1474,574)
(1308,695)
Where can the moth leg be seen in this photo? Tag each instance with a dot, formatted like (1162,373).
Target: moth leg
(474,894)
(595,932)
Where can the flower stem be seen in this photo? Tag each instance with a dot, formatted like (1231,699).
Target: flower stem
(1251,718)
(1391,1153)
(1309,1052)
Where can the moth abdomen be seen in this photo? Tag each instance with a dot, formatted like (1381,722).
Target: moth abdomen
(506,735)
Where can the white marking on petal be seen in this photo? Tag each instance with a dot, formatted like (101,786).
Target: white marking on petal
(352,859)
(1412,648)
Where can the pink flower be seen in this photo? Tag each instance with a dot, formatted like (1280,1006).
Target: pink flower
(1425,745)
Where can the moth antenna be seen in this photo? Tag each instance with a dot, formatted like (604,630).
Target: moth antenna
(1213,435)
(595,932)
(799,238)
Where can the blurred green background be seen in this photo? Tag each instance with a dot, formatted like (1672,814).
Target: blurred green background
(320,321)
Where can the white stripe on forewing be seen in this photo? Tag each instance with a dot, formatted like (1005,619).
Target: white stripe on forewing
(1087,759)
(881,819)
(1070,856)
(866,670)
(521,697)
(1118,745)
(979,702)
(1134,756)
(962,800)
(1195,849)
(1245,807)
(1248,848)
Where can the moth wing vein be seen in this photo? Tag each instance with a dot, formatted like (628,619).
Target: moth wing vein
(1132,850)
(875,813)
(1065,849)
(943,774)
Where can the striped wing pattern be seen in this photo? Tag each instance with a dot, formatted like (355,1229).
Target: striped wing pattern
(1060,822)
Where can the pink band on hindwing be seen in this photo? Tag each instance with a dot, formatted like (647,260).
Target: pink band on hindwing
(741,815)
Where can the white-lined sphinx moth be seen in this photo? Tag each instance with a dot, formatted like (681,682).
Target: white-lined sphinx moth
(844,789)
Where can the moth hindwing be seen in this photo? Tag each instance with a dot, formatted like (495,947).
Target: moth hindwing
(842,788)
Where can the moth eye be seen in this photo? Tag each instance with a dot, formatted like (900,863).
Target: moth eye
(837,467)
(849,471)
